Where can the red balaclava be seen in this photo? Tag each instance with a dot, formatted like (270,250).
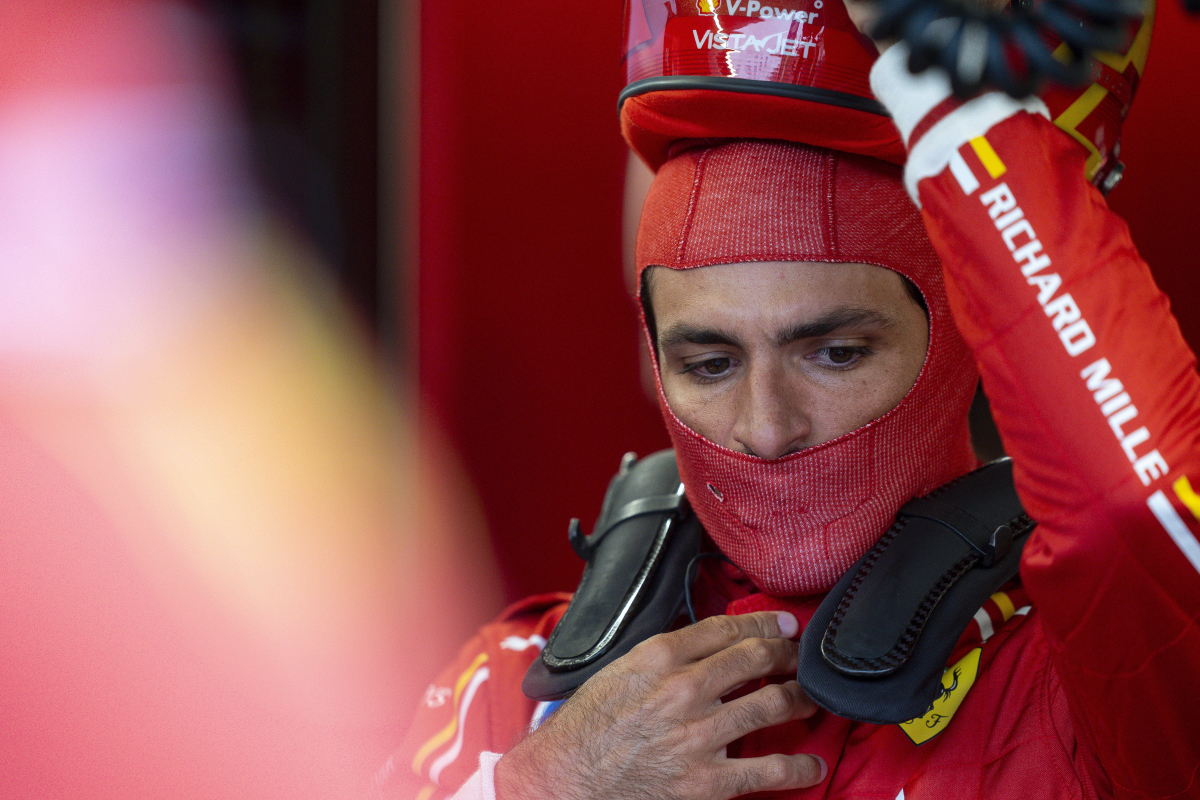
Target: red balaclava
(794,525)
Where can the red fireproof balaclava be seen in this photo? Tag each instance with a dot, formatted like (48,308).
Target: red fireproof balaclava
(796,523)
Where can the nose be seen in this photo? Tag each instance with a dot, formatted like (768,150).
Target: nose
(771,418)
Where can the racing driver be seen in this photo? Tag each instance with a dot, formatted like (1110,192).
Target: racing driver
(818,322)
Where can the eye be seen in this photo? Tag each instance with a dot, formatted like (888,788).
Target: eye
(710,369)
(840,357)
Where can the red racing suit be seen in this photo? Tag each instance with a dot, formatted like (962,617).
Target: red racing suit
(1089,694)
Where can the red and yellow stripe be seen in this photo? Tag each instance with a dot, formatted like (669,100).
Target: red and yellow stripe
(447,733)
(987,156)
(1187,495)
(1071,117)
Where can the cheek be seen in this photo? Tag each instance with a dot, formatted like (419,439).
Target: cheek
(844,406)
(911,361)
(697,410)
(894,382)
(847,407)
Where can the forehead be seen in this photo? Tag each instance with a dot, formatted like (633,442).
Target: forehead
(770,293)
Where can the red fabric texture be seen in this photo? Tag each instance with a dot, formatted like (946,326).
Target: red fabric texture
(1118,595)
(795,524)
(1012,738)
(653,122)
(1087,695)
(474,704)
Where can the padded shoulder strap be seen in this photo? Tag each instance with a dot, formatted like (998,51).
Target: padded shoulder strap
(633,585)
(876,648)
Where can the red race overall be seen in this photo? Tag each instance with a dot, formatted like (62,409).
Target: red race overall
(1080,685)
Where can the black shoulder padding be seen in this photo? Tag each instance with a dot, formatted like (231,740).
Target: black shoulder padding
(877,646)
(633,585)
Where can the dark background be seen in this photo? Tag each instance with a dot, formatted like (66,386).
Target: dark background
(459,166)
(308,73)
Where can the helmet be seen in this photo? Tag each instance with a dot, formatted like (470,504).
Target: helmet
(797,70)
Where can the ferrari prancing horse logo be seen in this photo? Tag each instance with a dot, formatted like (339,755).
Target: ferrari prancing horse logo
(956,682)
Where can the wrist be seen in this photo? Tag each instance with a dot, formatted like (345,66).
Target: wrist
(515,778)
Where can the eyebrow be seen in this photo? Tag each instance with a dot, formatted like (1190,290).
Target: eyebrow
(835,320)
(682,333)
(830,322)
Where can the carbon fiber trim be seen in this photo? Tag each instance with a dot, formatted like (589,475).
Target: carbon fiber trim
(666,83)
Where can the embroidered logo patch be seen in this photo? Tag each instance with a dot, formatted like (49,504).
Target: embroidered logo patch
(956,682)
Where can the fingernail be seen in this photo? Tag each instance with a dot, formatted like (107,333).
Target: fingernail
(788,625)
(824,768)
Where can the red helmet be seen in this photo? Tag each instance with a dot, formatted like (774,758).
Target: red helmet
(797,70)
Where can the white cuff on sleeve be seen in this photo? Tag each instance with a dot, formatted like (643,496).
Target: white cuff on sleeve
(481,785)
(910,98)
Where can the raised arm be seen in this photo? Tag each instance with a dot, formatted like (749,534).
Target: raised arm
(1097,399)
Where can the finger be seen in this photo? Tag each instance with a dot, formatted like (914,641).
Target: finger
(862,14)
(747,660)
(773,704)
(771,773)
(712,635)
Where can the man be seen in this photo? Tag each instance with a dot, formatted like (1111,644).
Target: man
(809,393)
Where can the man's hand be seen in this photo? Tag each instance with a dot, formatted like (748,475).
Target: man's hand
(863,14)
(652,724)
